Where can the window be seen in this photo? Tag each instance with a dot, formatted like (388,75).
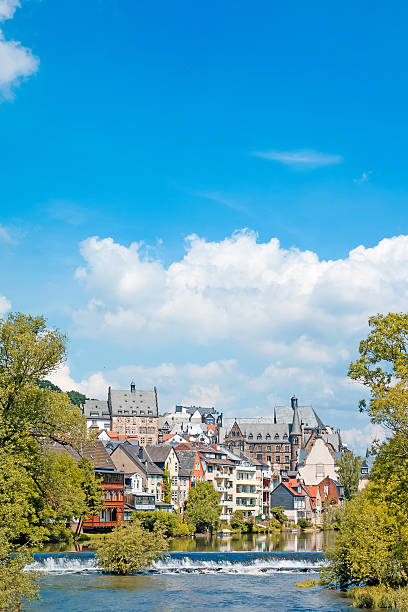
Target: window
(326,489)
(259,457)
(268,436)
(250,437)
(287,448)
(286,458)
(269,459)
(142,440)
(268,447)
(113,495)
(107,495)
(259,437)
(276,436)
(319,469)
(295,441)
(149,440)
(174,481)
(94,421)
(285,437)
(142,412)
(106,425)
(260,447)
(150,412)
(277,447)
(277,459)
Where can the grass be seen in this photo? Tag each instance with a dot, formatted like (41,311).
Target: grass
(307,584)
(380,597)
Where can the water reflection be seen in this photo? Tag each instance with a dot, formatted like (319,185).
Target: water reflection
(286,541)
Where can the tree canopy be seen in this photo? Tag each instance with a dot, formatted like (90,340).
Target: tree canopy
(203,508)
(349,469)
(40,489)
(372,543)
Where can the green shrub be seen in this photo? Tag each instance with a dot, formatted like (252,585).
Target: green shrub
(303,523)
(130,549)
(151,520)
(182,530)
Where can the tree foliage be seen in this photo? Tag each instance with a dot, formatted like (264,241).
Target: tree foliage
(371,547)
(169,522)
(167,486)
(203,508)
(130,548)
(16,582)
(349,469)
(40,490)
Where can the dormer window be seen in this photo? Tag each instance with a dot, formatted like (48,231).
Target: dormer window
(250,437)
(276,436)
(299,489)
(285,437)
(268,436)
(259,437)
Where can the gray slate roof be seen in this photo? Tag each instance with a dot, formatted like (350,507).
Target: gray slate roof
(97,409)
(147,466)
(157,453)
(307,415)
(186,462)
(133,403)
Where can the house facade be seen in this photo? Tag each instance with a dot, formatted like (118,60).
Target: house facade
(135,412)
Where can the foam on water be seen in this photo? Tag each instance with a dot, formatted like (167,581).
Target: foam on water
(210,563)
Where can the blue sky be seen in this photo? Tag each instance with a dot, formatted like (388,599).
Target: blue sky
(150,122)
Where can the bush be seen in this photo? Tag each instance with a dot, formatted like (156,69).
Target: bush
(130,548)
(151,520)
(237,521)
(182,530)
(364,599)
(304,524)
(279,514)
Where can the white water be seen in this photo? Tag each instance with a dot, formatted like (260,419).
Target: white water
(264,565)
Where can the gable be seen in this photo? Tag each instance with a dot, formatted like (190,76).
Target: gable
(319,454)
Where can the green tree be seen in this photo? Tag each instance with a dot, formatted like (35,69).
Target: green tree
(237,521)
(167,486)
(371,546)
(203,508)
(17,583)
(279,514)
(349,469)
(77,398)
(130,548)
(39,492)
(383,369)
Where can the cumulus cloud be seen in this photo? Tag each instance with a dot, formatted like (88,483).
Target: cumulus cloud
(283,302)
(305,158)
(362,438)
(5,305)
(16,61)
(274,321)
(95,386)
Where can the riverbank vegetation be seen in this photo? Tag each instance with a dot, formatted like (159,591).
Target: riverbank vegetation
(41,490)
(371,548)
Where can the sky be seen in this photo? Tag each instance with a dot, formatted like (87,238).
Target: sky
(206,197)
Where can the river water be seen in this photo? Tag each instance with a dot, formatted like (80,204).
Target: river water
(261,575)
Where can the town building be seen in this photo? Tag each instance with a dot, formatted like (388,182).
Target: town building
(135,412)
(280,439)
(97,414)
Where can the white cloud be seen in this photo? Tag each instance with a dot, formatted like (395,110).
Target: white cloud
(362,438)
(5,305)
(16,62)
(96,386)
(273,321)
(363,178)
(285,303)
(303,158)
(7,8)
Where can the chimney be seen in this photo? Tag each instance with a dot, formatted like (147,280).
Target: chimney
(132,387)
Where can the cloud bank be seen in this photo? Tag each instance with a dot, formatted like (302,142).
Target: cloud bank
(275,321)
(16,62)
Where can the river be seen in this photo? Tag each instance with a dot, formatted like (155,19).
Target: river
(240,573)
